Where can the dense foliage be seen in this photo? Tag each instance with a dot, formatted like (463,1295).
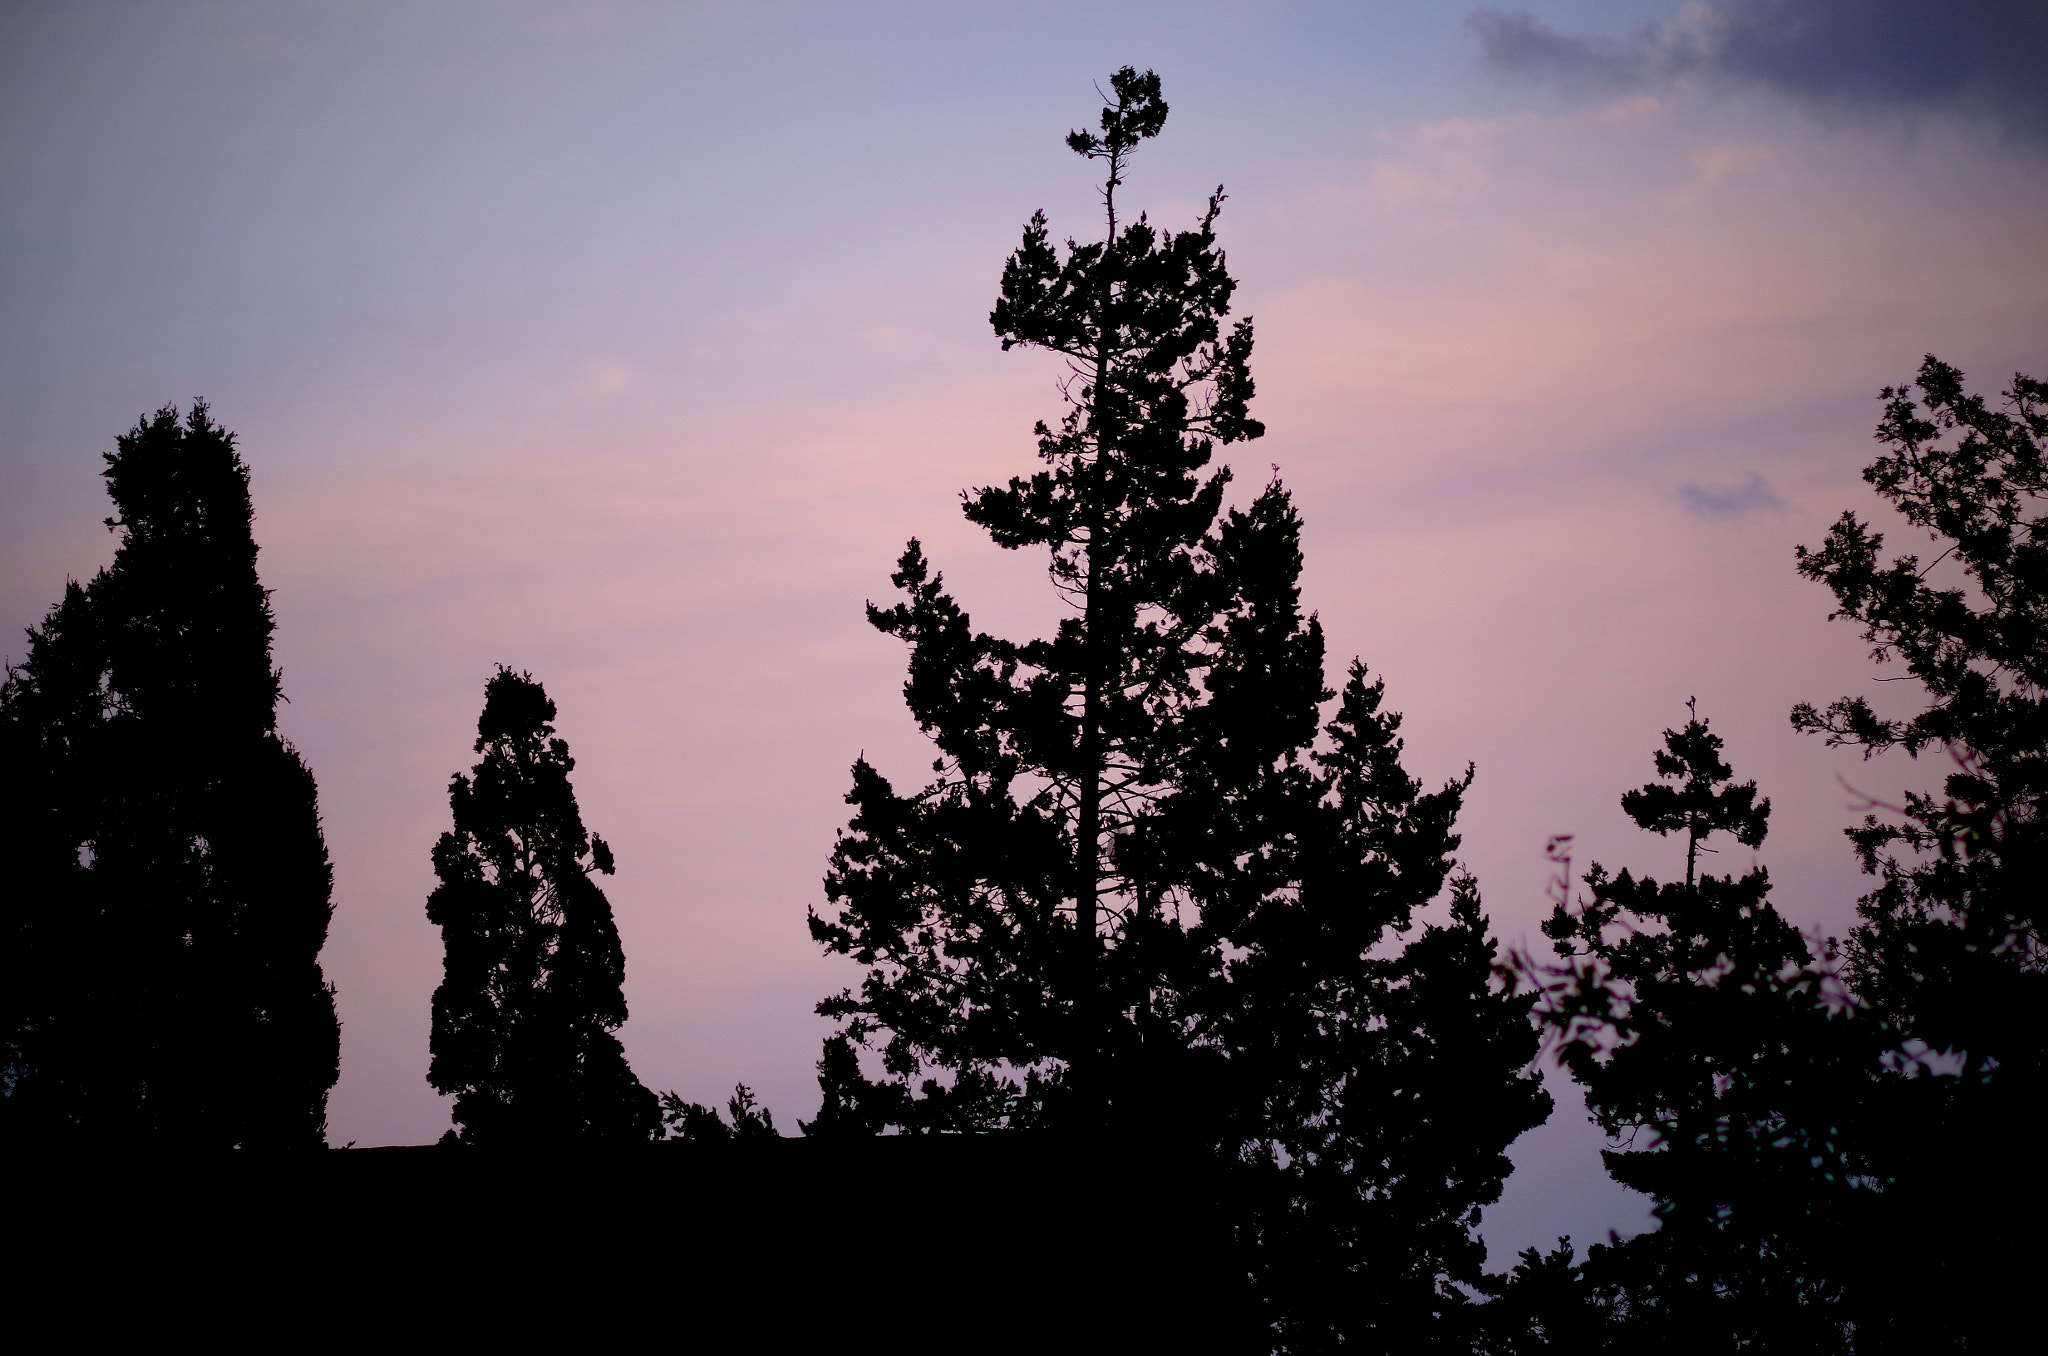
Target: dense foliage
(1951,945)
(1171,923)
(1722,1058)
(530,998)
(1807,1120)
(168,890)
(1950,952)
(1149,897)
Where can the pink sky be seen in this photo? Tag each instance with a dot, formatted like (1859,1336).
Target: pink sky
(550,343)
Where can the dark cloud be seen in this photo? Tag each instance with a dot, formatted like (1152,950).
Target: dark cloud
(1753,495)
(1984,59)
(1522,44)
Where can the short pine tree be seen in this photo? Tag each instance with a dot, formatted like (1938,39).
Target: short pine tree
(1141,902)
(1722,1057)
(170,891)
(525,1014)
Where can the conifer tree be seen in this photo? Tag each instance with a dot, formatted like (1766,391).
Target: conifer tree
(1141,902)
(531,994)
(169,891)
(744,1119)
(1950,952)
(1952,943)
(1720,1053)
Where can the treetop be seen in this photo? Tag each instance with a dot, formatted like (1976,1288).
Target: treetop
(514,705)
(1138,113)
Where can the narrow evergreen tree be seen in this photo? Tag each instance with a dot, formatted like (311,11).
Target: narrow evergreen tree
(1141,903)
(170,891)
(530,997)
(1717,1049)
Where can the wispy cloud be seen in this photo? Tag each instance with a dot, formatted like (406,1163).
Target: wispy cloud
(1977,58)
(1752,495)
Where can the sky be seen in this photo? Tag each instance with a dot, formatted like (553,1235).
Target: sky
(626,343)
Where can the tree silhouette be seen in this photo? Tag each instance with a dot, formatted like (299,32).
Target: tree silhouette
(524,1016)
(1386,1079)
(169,894)
(1703,801)
(1141,902)
(699,1123)
(1951,946)
(1721,1056)
(1950,949)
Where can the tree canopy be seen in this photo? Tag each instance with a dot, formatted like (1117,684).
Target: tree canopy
(525,1014)
(1949,953)
(1150,896)
(160,979)
(1730,1071)
(1951,943)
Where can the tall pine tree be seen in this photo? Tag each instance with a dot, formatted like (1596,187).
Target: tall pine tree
(525,1014)
(1142,902)
(169,890)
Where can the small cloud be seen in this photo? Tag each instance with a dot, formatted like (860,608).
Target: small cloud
(1713,163)
(1976,58)
(1522,44)
(1753,495)
(1716,166)
(1634,108)
(601,379)
(892,340)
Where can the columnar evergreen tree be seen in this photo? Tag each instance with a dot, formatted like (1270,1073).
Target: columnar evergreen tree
(531,995)
(169,886)
(1141,901)
(1718,1049)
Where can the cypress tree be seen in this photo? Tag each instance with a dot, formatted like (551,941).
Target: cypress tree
(531,994)
(161,936)
(1143,903)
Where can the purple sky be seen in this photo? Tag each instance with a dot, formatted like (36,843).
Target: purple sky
(626,343)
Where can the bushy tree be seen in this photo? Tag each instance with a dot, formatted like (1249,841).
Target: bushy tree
(1951,942)
(1386,1073)
(169,887)
(1950,949)
(1720,1053)
(1547,1303)
(1142,902)
(744,1119)
(1821,1144)
(531,994)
